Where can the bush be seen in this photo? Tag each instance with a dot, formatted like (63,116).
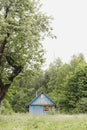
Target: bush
(6,107)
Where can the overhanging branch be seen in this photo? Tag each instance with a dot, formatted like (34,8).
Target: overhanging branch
(16,68)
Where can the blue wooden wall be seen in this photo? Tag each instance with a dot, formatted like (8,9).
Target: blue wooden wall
(37,110)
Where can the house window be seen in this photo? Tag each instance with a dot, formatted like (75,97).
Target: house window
(47,108)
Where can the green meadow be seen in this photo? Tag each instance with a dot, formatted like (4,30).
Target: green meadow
(50,122)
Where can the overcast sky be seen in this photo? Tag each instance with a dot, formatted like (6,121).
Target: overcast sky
(70,26)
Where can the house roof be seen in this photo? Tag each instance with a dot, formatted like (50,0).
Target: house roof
(42,99)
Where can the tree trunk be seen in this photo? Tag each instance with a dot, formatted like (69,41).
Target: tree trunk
(3,91)
(1,106)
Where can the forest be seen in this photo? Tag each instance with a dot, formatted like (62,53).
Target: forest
(23,27)
(65,83)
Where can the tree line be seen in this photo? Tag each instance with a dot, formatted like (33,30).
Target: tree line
(64,83)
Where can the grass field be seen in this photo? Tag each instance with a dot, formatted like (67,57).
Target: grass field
(50,122)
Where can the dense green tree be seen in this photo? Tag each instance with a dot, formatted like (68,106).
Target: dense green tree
(76,92)
(77,61)
(57,77)
(22,27)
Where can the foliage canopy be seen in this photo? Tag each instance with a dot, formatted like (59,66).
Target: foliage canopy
(22,28)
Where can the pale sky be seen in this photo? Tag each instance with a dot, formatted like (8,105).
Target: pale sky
(70,27)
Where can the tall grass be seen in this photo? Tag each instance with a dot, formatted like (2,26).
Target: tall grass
(50,122)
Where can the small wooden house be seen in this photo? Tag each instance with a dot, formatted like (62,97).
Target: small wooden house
(41,105)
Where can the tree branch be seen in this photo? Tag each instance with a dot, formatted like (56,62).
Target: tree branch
(2,47)
(7,9)
(17,68)
(16,71)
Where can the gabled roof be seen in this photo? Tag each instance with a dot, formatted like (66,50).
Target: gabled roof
(42,99)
